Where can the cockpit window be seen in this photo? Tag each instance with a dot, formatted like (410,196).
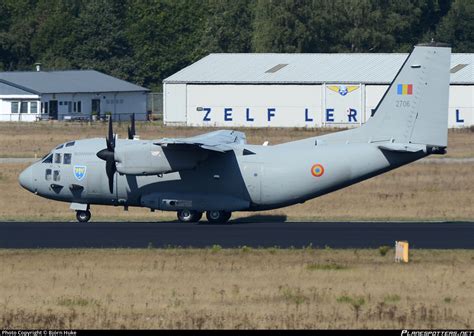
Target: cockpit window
(49,159)
(47,174)
(70,144)
(60,146)
(67,158)
(57,158)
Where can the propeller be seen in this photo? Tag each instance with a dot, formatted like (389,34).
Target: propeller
(131,128)
(108,155)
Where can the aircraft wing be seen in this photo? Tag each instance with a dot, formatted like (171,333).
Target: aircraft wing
(218,141)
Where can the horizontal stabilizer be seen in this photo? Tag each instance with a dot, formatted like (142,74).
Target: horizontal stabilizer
(401,147)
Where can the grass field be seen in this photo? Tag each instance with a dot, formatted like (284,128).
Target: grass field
(426,191)
(241,289)
(30,139)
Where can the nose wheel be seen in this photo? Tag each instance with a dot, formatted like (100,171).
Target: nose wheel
(83,216)
(215,216)
(189,216)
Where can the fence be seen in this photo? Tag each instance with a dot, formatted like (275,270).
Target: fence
(154,103)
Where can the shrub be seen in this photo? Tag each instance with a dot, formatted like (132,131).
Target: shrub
(383,250)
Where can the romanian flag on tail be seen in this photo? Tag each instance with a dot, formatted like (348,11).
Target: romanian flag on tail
(405,89)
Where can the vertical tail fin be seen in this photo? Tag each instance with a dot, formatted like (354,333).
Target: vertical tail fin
(415,107)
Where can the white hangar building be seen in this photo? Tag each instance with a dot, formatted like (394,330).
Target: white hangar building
(297,90)
(74,94)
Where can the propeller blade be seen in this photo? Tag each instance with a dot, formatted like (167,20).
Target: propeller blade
(110,138)
(110,169)
(131,129)
(108,155)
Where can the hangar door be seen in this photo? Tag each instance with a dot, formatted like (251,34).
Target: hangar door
(175,104)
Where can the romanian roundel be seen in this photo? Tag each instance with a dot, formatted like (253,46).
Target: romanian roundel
(317,170)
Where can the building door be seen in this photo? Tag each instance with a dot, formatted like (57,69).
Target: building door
(53,109)
(96,107)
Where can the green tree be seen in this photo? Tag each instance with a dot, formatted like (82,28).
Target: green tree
(100,39)
(457,27)
(165,36)
(54,41)
(20,25)
(228,26)
(282,26)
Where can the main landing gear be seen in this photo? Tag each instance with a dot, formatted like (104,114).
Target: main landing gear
(83,216)
(214,216)
(189,216)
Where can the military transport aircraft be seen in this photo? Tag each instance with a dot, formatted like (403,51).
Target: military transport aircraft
(219,173)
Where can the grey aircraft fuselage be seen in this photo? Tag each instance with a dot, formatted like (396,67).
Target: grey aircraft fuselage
(260,181)
(220,172)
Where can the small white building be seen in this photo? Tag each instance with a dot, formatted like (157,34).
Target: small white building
(297,90)
(63,95)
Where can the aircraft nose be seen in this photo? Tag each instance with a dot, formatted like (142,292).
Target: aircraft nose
(26,179)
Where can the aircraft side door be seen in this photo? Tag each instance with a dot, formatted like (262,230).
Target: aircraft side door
(253,174)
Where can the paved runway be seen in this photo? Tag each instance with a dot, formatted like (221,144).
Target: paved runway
(442,235)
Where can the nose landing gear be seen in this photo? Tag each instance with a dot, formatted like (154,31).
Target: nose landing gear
(83,216)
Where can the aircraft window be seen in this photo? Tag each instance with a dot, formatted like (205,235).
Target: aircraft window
(49,159)
(47,175)
(70,144)
(57,158)
(60,146)
(56,176)
(67,158)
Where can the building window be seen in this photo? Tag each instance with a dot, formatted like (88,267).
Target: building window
(33,107)
(24,107)
(47,175)
(57,158)
(79,107)
(56,176)
(75,107)
(67,158)
(69,106)
(14,107)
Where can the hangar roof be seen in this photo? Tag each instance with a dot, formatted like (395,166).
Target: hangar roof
(308,69)
(71,81)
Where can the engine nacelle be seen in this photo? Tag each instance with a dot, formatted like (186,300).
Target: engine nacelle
(146,158)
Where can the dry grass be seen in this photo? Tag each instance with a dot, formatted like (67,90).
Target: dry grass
(30,139)
(417,191)
(240,289)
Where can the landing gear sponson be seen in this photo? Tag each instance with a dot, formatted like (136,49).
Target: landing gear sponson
(83,215)
(214,216)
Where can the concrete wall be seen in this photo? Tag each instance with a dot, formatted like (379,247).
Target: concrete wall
(330,105)
(6,108)
(120,104)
